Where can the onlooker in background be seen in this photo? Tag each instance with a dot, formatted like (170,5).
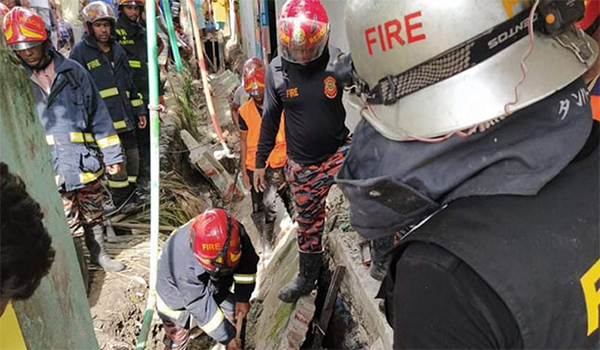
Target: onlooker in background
(26,254)
(221,13)
(11,3)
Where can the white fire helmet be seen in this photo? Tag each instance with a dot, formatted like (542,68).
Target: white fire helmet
(428,68)
(98,10)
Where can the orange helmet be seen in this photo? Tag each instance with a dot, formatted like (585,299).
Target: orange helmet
(24,29)
(303,30)
(3,10)
(140,3)
(215,239)
(254,81)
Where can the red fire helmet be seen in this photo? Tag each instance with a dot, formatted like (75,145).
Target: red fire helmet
(215,239)
(303,30)
(254,82)
(24,29)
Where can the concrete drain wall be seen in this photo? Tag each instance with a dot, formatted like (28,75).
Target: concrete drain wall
(356,322)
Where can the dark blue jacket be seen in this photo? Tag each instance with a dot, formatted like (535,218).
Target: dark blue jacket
(132,37)
(75,118)
(187,289)
(114,83)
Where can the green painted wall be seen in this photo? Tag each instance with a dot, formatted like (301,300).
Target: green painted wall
(57,316)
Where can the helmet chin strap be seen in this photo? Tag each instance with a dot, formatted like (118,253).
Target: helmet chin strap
(222,256)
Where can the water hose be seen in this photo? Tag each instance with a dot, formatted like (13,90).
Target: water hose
(154,170)
(172,36)
(225,152)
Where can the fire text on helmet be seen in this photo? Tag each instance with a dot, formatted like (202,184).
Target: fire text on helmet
(386,33)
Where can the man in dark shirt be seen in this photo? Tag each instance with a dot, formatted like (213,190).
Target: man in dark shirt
(198,265)
(500,197)
(301,82)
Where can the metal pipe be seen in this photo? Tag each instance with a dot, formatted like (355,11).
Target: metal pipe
(225,152)
(172,35)
(154,170)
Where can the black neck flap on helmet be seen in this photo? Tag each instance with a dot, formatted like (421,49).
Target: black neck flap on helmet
(468,54)
(219,262)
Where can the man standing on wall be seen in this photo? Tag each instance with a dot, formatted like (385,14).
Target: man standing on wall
(301,81)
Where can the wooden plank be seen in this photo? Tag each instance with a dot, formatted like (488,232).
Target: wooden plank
(131,226)
(332,292)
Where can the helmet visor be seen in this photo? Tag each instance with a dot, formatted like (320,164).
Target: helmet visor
(302,40)
(24,45)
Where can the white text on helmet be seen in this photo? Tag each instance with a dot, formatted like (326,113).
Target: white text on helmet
(502,37)
(392,29)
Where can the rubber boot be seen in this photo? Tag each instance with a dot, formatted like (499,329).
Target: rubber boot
(94,239)
(306,280)
(379,257)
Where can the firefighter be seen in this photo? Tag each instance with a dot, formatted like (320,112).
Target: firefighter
(501,188)
(109,66)
(264,205)
(131,35)
(301,82)
(76,122)
(240,97)
(198,265)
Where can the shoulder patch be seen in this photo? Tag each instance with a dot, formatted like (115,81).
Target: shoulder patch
(330,87)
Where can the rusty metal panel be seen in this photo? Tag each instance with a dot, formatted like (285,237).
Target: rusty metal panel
(58,314)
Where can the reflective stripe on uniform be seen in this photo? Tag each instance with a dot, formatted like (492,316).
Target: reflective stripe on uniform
(128,94)
(135,64)
(137,103)
(244,278)
(50,140)
(117,184)
(132,179)
(164,309)
(77,137)
(113,91)
(121,124)
(214,322)
(89,177)
(81,137)
(111,140)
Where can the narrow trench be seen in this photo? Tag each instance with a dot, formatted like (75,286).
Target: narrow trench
(344,331)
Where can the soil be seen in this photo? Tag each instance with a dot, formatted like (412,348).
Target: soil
(118,300)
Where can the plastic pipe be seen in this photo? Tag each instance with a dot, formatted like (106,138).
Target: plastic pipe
(154,170)
(172,35)
(225,152)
